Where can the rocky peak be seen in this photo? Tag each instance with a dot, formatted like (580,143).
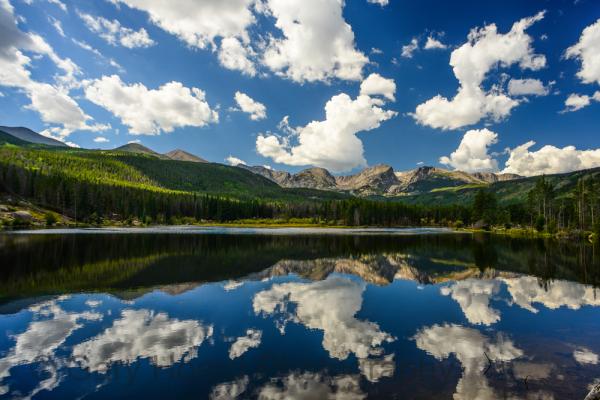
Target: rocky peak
(317,178)
(378,178)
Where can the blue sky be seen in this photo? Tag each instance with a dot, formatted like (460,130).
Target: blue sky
(298,59)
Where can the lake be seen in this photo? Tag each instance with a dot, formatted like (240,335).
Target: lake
(296,314)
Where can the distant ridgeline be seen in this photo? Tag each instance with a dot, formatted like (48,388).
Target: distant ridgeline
(133,181)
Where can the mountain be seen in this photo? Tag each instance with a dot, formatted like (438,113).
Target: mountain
(30,136)
(139,149)
(381,180)
(507,191)
(181,155)
(313,178)
(6,138)
(177,154)
(490,177)
(279,177)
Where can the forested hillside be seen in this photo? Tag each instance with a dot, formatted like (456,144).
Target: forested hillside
(94,186)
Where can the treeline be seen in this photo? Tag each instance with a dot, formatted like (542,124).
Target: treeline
(547,208)
(92,201)
(93,188)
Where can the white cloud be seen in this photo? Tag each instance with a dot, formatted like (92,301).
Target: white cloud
(142,334)
(485,49)
(199,23)
(59,3)
(233,54)
(376,368)
(49,329)
(473,296)
(585,356)
(231,160)
(101,139)
(151,111)
(433,44)
(524,87)
(470,348)
(230,390)
(330,306)
(115,34)
(576,102)
(57,25)
(526,290)
(244,343)
(375,84)
(549,160)
(317,45)
(382,3)
(309,385)
(299,53)
(331,143)
(587,50)
(409,49)
(52,101)
(250,106)
(472,153)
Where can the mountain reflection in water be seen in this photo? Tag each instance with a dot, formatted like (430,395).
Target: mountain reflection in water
(278,317)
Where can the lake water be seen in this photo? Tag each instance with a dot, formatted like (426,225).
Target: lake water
(290,314)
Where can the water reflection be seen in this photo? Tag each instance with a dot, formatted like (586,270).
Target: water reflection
(50,327)
(298,317)
(329,306)
(142,334)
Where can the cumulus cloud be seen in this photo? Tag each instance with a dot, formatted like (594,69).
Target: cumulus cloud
(434,44)
(101,139)
(247,104)
(375,84)
(587,50)
(331,143)
(329,306)
(472,153)
(576,101)
(231,160)
(116,34)
(298,52)
(199,23)
(38,344)
(382,3)
(317,43)
(585,356)
(244,343)
(52,101)
(142,334)
(471,62)
(549,160)
(230,390)
(526,290)
(151,111)
(233,54)
(376,368)
(470,348)
(473,296)
(409,49)
(310,385)
(524,87)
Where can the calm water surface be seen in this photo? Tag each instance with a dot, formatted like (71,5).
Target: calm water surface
(228,314)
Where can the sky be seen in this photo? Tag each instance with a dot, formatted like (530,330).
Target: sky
(511,86)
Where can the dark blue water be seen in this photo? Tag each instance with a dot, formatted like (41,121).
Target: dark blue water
(297,317)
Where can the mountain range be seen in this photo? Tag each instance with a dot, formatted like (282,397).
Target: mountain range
(380,179)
